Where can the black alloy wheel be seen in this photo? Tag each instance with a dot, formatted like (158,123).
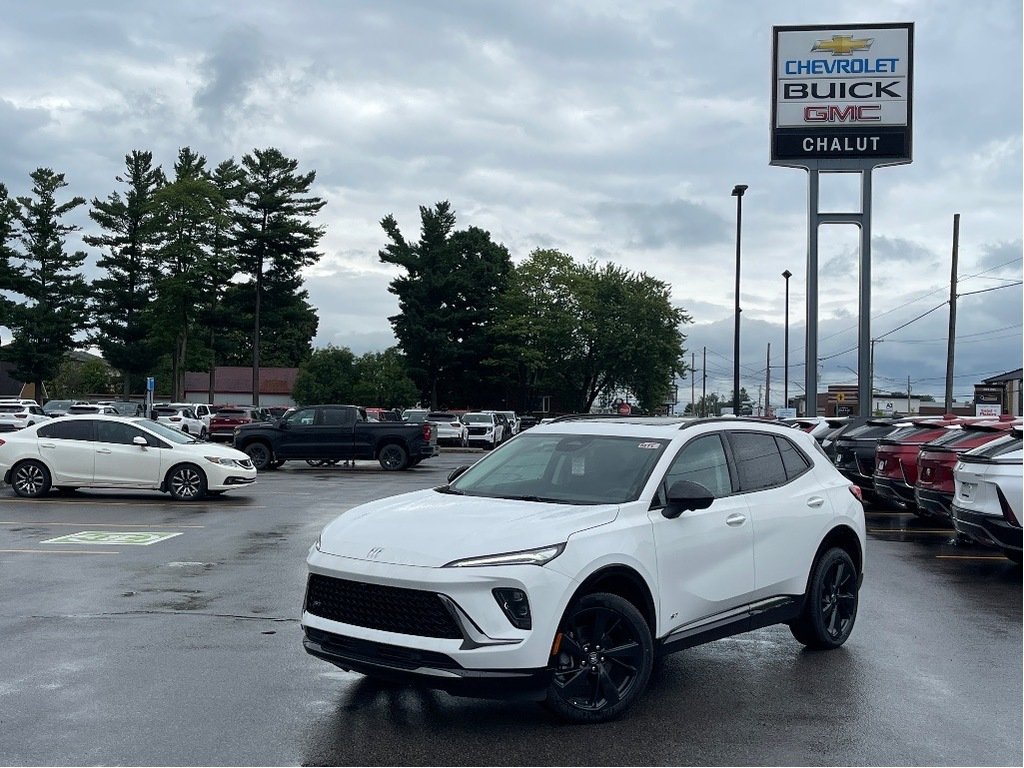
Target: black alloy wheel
(259,455)
(830,609)
(603,660)
(31,479)
(186,482)
(393,457)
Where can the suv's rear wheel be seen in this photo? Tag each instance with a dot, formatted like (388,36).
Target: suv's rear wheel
(831,604)
(393,456)
(602,661)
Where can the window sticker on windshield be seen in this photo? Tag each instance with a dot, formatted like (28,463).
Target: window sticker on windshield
(578,465)
(649,446)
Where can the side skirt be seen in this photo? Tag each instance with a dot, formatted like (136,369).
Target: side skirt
(780,610)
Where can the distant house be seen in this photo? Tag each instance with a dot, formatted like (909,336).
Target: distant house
(233,385)
(9,386)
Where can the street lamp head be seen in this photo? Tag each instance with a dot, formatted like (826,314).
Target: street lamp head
(787,274)
(738,190)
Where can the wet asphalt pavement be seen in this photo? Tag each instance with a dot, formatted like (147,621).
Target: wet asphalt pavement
(188,652)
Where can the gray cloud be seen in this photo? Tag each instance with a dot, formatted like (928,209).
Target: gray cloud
(677,223)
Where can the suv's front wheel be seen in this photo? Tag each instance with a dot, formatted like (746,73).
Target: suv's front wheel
(602,660)
(830,607)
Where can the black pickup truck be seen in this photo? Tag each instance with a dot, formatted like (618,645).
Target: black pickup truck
(335,433)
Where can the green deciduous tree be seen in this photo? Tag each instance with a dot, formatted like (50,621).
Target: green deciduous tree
(83,378)
(275,237)
(52,304)
(122,299)
(382,380)
(326,377)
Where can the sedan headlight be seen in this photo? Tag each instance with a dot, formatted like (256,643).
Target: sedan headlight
(526,557)
(224,461)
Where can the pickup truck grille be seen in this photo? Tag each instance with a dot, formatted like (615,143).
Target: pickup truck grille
(478,430)
(376,606)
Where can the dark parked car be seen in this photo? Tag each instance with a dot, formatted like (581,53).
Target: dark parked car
(934,488)
(854,451)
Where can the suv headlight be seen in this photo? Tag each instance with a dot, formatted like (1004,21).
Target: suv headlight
(539,556)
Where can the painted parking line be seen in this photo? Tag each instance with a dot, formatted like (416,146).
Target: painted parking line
(60,551)
(106,525)
(972,557)
(87,502)
(134,538)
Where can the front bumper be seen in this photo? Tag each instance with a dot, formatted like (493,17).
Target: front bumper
(987,530)
(484,656)
(427,669)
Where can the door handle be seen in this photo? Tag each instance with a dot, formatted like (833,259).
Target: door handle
(815,501)
(735,519)
(47,445)
(104,450)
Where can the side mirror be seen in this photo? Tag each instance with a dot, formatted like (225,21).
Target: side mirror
(685,495)
(283,423)
(140,441)
(456,472)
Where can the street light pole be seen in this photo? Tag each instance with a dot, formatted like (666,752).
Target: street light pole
(737,192)
(785,387)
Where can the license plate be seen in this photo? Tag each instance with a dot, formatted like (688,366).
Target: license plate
(967,490)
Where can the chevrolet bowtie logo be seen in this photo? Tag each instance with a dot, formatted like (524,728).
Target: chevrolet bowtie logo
(843,45)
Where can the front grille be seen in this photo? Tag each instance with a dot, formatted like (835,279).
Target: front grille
(478,430)
(375,606)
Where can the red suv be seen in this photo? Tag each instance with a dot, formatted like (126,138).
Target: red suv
(934,489)
(896,458)
(224,421)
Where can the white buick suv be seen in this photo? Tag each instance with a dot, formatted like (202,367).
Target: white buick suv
(561,566)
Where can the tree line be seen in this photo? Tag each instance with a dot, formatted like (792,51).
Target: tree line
(198,267)
(201,267)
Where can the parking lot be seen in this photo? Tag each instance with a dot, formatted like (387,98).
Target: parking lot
(167,634)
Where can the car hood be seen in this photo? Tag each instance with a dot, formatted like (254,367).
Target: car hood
(214,449)
(429,528)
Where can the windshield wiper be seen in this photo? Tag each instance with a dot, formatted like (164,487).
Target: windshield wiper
(541,499)
(449,489)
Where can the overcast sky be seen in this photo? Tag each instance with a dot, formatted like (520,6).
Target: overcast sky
(612,131)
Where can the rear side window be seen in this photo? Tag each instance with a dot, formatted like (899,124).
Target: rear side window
(758,460)
(793,459)
(68,430)
(995,449)
(337,417)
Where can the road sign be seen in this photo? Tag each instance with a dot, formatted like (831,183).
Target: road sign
(150,383)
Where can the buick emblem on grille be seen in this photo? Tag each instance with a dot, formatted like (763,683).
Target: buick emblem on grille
(374,553)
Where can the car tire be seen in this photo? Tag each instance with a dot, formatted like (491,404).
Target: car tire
(393,457)
(203,434)
(604,659)
(259,454)
(830,606)
(186,482)
(30,479)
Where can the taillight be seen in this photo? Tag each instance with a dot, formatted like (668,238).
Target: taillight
(427,431)
(856,491)
(175,418)
(2,442)
(21,415)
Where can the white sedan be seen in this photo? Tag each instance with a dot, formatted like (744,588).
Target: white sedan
(115,452)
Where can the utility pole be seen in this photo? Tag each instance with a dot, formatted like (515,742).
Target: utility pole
(693,402)
(951,337)
(768,378)
(704,384)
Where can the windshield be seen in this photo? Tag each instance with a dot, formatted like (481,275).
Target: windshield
(416,416)
(477,418)
(167,433)
(12,408)
(57,404)
(564,469)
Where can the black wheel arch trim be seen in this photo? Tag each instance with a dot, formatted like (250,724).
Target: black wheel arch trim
(626,582)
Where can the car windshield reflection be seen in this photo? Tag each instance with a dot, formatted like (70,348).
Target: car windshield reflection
(564,469)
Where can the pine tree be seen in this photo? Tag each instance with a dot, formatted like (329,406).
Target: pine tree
(121,300)
(52,307)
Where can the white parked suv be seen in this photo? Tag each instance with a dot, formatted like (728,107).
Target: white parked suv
(561,566)
(182,418)
(18,414)
(988,494)
(483,429)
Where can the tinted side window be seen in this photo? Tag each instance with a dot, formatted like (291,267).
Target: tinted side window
(68,430)
(304,417)
(793,459)
(337,417)
(758,461)
(122,434)
(702,461)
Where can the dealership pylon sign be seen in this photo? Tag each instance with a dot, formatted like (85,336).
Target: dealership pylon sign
(842,98)
(842,94)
